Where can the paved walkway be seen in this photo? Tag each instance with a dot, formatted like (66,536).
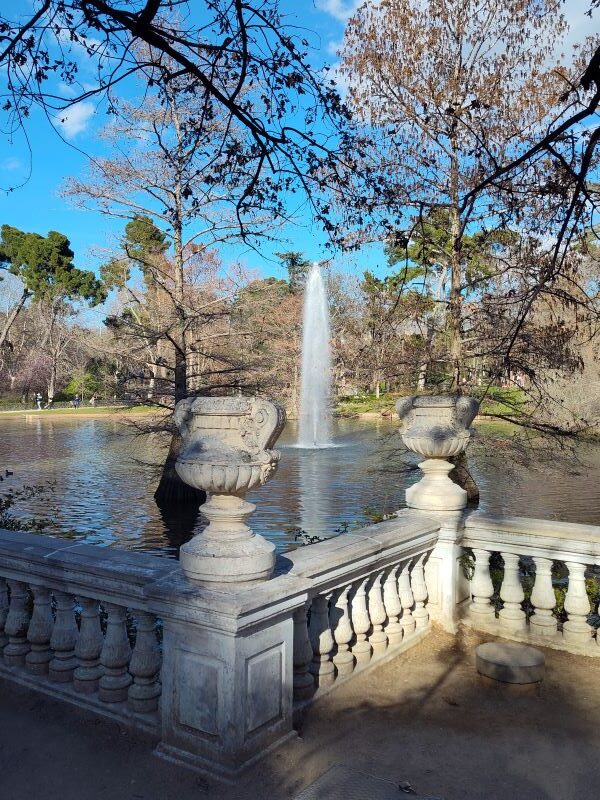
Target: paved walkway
(425,719)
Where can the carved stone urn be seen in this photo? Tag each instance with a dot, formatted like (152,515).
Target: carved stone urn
(436,428)
(226,451)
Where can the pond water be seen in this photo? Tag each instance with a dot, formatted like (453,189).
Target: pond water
(103,477)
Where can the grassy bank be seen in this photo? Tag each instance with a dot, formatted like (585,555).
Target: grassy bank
(497,401)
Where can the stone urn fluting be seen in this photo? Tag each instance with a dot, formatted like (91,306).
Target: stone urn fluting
(436,428)
(226,451)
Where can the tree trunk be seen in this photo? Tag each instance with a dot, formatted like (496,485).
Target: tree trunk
(455,304)
(12,316)
(171,490)
(462,476)
(51,385)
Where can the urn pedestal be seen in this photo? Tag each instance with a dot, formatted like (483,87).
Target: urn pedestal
(436,428)
(226,451)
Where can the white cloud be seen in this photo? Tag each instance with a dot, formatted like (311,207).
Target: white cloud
(334,46)
(75,120)
(10,164)
(340,9)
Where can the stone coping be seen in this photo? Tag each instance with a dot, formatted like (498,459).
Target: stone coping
(538,537)
(140,580)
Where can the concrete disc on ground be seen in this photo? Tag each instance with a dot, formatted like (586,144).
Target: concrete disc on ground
(341,782)
(510,663)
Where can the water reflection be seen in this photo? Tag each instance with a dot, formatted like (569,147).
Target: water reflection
(104,477)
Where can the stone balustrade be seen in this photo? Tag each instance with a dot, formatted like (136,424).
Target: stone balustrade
(74,624)
(79,622)
(367,600)
(522,548)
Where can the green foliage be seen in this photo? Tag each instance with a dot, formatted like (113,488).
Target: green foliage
(87,383)
(467,564)
(297,267)
(45,265)
(375,516)
(9,521)
(430,246)
(142,244)
(366,404)
(510,401)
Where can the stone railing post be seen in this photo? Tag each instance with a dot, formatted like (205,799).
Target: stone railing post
(577,606)
(304,683)
(543,623)
(438,429)
(39,632)
(228,670)
(64,639)
(321,639)
(228,643)
(512,617)
(16,626)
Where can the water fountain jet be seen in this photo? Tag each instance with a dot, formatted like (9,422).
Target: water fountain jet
(315,394)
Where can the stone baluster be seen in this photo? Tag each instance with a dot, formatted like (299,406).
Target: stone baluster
(481,609)
(87,650)
(407,621)
(39,632)
(512,617)
(115,656)
(3,613)
(145,666)
(543,623)
(361,649)
(342,632)
(377,638)
(577,606)
(420,593)
(304,683)
(321,639)
(17,622)
(393,607)
(64,639)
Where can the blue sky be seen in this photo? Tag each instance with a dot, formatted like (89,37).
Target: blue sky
(37,206)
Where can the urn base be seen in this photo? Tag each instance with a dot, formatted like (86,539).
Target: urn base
(436,491)
(227,551)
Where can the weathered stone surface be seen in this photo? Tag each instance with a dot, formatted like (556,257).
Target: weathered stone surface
(510,663)
(226,452)
(436,428)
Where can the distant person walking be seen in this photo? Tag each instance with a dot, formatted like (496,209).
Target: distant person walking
(93,401)
(38,400)
(76,402)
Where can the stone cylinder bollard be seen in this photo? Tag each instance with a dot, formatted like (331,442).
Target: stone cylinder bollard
(226,452)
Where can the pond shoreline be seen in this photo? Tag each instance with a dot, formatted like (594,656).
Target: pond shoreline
(101,412)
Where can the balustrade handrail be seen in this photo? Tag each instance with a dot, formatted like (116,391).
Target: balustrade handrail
(333,563)
(561,541)
(109,575)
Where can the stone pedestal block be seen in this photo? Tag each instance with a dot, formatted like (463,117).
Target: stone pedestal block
(227,674)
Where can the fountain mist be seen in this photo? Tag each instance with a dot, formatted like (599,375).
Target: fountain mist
(315,406)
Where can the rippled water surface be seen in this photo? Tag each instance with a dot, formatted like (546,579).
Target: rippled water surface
(103,478)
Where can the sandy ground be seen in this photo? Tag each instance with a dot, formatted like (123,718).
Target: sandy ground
(101,412)
(426,718)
